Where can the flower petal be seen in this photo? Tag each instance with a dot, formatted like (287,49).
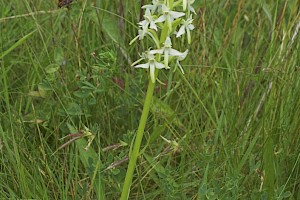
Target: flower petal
(147,12)
(174,52)
(145,66)
(188,33)
(143,23)
(176,15)
(164,8)
(161,19)
(141,34)
(191,26)
(150,7)
(159,51)
(192,9)
(183,55)
(181,31)
(159,65)
(152,72)
(166,58)
(153,25)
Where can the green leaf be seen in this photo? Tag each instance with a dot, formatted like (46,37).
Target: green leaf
(267,11)
(160,170)
(50,69)
(44,85)
(36,94)
(286,195)
(176,23)
(203,190)
(59,56)
(111,28)
(91,162)
(164,33)
(74,109)
(18,43)
(156,133)
(88,85)
(82,94)
(71,128)
(92,101)
(268,161)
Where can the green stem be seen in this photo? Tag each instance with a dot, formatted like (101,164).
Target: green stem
(138,140)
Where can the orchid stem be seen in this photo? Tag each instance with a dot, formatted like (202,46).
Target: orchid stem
(137,144)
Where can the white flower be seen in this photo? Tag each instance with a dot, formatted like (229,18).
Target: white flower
(169,16)
(167,51)
(148,21)
(151,64)
(156,4)
(149,27)
(188,4)
(187,26)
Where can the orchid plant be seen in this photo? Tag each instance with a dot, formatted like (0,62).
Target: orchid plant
(164,21)
(161,18)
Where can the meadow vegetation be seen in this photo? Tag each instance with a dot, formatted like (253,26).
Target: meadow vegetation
(70,103)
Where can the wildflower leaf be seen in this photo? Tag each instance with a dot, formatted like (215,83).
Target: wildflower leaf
(176,22)
(164,33)
(18,43)
(59,57)
(91,162)
(50,69)
(71,128)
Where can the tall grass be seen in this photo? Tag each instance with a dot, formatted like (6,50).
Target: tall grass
(227,129)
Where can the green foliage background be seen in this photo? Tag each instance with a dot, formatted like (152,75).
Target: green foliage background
(231,123)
